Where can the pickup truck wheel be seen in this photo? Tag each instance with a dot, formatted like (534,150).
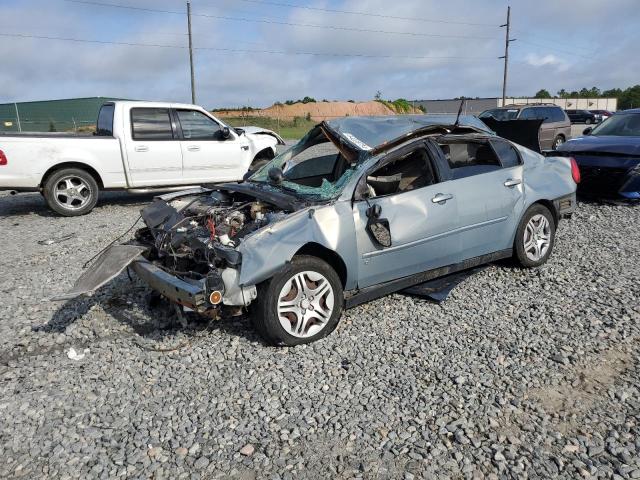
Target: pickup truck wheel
(535,236)
(300,304)
(71,192)
(258,163)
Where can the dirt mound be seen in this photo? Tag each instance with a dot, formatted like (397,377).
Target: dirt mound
(317,110)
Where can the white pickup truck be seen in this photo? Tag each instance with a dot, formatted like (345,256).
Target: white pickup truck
(137,146)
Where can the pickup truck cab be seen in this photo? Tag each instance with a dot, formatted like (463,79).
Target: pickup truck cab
(137,146)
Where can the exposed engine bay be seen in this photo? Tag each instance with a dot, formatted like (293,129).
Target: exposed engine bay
(192,234)
(194,237)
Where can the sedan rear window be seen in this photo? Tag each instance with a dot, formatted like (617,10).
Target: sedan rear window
(508,155)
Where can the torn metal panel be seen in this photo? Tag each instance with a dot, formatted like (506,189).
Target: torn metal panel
(439,289)
(106,267)
(522,132)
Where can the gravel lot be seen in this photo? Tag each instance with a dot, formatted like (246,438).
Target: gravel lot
(518,374)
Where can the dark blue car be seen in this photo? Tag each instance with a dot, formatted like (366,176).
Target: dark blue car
(609,157)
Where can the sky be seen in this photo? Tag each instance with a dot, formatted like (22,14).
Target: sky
(257,52)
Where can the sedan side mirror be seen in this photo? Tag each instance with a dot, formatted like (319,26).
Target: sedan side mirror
(587,131)
(378,228)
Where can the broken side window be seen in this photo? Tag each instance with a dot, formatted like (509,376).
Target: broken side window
(409,172)
(466,158)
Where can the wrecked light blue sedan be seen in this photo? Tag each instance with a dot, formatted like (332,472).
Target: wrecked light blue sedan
(358,209)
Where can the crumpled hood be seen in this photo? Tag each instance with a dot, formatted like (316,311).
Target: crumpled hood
(262,131)
(603,144)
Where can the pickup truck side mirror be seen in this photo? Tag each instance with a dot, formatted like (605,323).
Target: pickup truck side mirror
(225,133)
(587,131)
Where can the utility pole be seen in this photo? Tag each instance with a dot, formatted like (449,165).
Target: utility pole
(193,80)
(507,41)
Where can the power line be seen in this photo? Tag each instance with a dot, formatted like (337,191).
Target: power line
(555,48)
(550,40)
(288,24)
(368,14)
(82,40)
(242,50)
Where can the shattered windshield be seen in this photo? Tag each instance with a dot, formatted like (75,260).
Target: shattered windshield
(315,167)
(620,125)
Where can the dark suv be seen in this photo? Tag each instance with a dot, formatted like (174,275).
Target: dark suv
(582,116)
(555,128)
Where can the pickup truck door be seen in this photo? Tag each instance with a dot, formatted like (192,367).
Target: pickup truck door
(153,149)
(207,155)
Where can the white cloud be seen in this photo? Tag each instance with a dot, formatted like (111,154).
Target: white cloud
(552,52)
(548,60)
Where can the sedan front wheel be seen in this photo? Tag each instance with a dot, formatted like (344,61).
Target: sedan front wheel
(300,304)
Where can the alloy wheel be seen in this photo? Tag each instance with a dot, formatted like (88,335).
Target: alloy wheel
(537,237)
(305,304)
(72,192)
(559,141)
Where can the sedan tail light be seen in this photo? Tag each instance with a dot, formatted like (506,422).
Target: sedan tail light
(575,170)
(3,158)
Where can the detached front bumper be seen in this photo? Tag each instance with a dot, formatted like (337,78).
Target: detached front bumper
(193,293)
(173,288)
(196,294)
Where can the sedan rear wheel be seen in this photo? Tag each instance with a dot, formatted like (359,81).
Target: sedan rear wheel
(300,304)
(535,236)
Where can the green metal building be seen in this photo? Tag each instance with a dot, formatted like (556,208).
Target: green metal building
(69,115)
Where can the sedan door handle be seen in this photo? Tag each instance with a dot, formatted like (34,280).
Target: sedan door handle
(441,198)
(142,148)
(512,182)
(193,148)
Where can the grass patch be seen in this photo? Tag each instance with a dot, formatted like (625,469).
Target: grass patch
(293,129)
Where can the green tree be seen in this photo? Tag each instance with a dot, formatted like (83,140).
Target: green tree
(378,96)
(612,93)
(308,100)
(562,93)
(542,94)
(630,98)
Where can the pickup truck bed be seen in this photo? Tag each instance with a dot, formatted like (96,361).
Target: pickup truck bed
(137,145)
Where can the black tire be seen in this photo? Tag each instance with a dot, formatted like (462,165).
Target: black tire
(264,310)
(559,140)
(587,121)
(520,252)
(258,163)
(86,198)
